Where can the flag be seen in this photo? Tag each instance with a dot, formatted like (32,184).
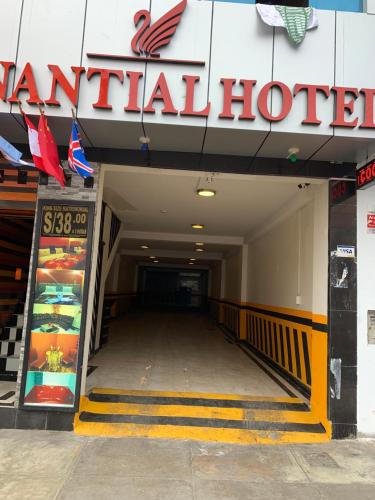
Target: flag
(296,20)
(12,155)
(76,157)
(49,153)
(34,143)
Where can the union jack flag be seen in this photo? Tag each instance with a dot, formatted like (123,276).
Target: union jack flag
(76,157)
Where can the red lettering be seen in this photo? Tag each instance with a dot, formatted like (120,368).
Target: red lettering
(286,105)
(190,95)
(312,91)
(161,93)
(58,78)
(246,98)
(105,75)
(342,106)
(4,84)
(26,82)
(134,78)
(369,108)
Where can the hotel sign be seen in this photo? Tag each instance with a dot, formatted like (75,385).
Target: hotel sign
(150,37)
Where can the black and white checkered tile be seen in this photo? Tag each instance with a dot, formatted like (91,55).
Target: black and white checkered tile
(10,346)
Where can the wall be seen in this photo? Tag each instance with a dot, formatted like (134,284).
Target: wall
(343,41)
(366,301)
(216,276)
(280,263)
(233,270)
(127,274)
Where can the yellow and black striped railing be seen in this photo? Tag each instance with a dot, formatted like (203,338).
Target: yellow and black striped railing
(283,337)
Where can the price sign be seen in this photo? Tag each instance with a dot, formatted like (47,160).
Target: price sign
(65,220)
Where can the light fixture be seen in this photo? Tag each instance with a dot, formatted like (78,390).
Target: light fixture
(152,257)
(199,250)
(191,263)
(206,193)
(193,259)
(197,226)
(156,262)
(144,247)
(199,244)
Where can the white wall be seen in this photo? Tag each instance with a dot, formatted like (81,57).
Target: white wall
(366,301)
(280,263)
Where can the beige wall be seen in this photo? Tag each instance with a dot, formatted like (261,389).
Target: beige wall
(233,271)
(280,263)
(215,290)
(127,274)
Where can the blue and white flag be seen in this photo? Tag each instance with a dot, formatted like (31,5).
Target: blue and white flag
(12,155)
(76,157)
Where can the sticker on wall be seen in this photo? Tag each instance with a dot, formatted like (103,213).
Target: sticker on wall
(345,252)
(371,220)
(371,327)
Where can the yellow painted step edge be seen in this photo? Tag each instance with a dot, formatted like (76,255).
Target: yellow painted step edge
(198,412)
(234,436)
(168,394)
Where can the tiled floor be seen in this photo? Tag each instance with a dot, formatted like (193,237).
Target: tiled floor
(42,465)
(176,352)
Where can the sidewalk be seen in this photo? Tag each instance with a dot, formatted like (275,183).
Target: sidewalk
(42,465)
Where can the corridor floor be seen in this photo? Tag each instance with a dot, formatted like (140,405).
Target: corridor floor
(173,351)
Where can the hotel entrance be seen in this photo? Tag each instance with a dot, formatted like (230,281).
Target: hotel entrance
(214,308)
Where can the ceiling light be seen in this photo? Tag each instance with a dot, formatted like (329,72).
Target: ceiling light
(199,244)
(156,262)
(191,263)
(206,193)
(152,257)
(197,226)
(199,250)
(144,247)
(193,259)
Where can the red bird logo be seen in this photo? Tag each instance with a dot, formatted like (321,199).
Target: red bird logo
(149,38)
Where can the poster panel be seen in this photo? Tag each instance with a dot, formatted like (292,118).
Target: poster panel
(57,306)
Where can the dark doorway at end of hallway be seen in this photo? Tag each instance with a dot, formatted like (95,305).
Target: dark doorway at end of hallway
(160,288)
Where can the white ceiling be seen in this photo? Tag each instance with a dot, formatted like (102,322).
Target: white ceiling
(242,202)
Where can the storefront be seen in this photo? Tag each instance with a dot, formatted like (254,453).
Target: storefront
(209,88)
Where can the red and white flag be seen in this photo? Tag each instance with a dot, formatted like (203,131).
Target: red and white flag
(34,143)
(49,153)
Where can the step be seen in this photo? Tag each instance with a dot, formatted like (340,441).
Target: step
(207,417)
(10,348)
(9,364)
(16,320)
(11,333)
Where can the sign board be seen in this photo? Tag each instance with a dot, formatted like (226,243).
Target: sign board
(57,306)
(371,327)
(366,175)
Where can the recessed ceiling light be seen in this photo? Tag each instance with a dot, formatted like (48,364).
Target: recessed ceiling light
(193,259)
(206,193)
(197,226)
(163,211)
(152,257)
(199,244)
(199,250)
(156,262)
(144,247)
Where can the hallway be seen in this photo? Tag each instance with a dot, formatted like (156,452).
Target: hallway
(176,351)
